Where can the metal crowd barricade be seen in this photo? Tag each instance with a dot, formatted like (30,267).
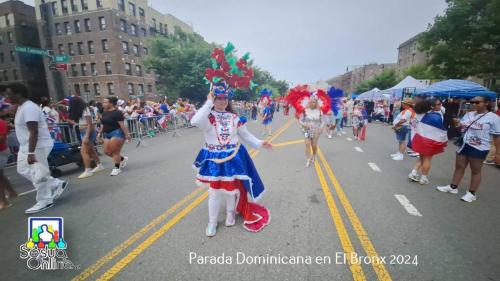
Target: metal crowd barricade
(66,133)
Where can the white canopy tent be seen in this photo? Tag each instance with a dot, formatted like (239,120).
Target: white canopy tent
(372,95)
(408,82)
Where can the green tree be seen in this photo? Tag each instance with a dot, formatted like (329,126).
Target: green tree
(419,71)
(465,41)
(384,80)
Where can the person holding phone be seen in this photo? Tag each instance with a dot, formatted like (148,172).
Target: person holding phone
(478,127)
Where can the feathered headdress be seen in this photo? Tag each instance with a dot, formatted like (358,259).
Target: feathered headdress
(300,96)
(221,89)
(227,68)
(336,99)
(265,95)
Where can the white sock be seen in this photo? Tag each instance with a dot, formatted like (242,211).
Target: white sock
(414,172)
(230,203)
(214,200)
(88,170)
(423,177)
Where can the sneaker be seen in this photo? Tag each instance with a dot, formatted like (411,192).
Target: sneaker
(38,207)
(123,163)
(414,154)
(60,189)
(211,229)
(468,197)
(489,162)
(413,177)
(447,188)
(329,136)
(398,157)
(394,154)
(230,219)
(115,172)
(308,163)
(423,180)
(85,175)
(98,168)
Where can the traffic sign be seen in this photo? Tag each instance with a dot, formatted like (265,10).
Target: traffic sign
(62,58)
(31,50)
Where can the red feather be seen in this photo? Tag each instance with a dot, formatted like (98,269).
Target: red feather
(325,99)
(295,96)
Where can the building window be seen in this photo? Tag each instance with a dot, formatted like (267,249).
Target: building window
(97,89)
(77,26)
(121,5)
(154,23)
(88,27)
(83,68)
(143,31)
(150,88)
(107,65)
(5,75)
(2,58)
(1,39)
(146,51)
(12,56)
(138,70)
(53,5)
(165,29)
(131,9)
(77,88)
(140,89)
(85,5)
(14,73)
(99,3)
(130,87)
(123,25)
(133,29)
(61,49)
(90,45)
(74,71)
(161,28)
(80,48)
(102,23)
(58,29)
(93,69)
(86,88)
(141,13)
(136,50)
(71,51)
(111,89)
(128,69)
(64,6)
(74,8)
(125,47)
(67,28)
(105,46)
(10,37)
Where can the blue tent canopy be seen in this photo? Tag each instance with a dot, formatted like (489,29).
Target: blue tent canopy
(455,88)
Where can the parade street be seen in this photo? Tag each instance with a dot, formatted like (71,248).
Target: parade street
(149,222)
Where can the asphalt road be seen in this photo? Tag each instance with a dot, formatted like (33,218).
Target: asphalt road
(148,223)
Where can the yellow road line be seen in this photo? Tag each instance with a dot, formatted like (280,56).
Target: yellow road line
(155,236)
(356,269)
(132,239)
(288,143)
(378,267)
(151,239)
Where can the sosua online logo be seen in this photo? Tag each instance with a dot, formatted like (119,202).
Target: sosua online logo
(46,247)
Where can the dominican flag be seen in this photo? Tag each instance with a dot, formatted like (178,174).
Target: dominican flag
(428,134)
(163,122)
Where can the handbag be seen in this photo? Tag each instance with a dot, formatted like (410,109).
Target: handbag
(459,141)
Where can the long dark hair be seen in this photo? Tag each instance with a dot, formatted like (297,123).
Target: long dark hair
(424,106)
(76,108)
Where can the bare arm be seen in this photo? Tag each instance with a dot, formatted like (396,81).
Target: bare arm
(124,129)
(32,141)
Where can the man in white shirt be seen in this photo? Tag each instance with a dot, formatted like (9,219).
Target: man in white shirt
(35,145)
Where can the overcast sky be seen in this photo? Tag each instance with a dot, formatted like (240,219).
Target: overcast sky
(305,41)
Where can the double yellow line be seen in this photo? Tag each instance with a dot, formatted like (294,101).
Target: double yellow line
(356,269)
(122,263)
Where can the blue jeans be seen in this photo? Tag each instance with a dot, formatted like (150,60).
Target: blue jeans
(402,133)
(118,133)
